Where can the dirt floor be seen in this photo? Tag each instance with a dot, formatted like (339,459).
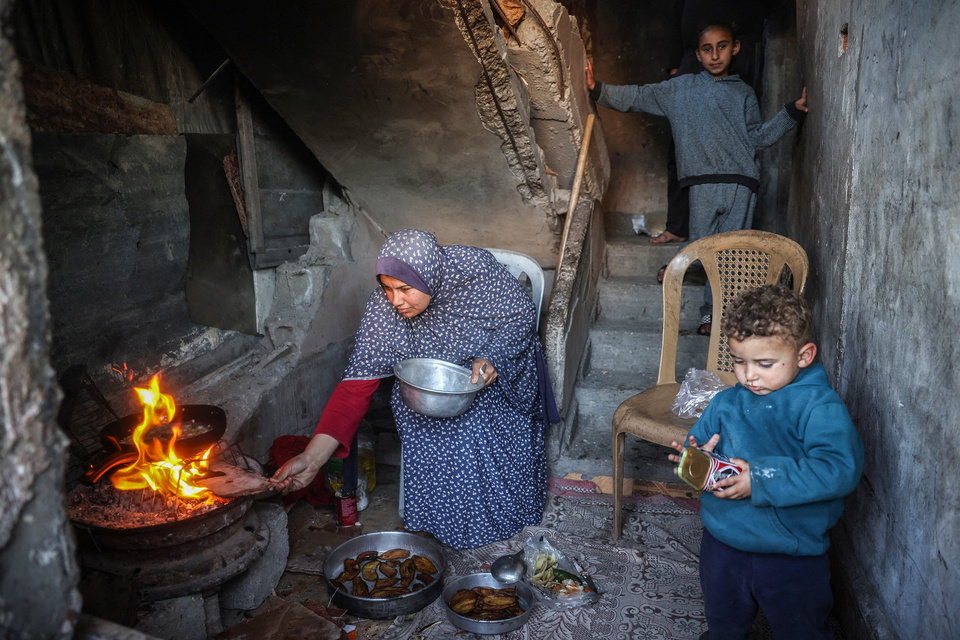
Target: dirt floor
(313,534)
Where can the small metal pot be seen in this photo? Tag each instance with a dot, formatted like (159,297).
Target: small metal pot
(487,627)
(385,608)
(436,388)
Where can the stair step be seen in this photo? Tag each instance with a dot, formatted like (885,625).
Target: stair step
(622,357)
(615,349)
(614,346)
(618,384)
(635,256)
(600,391)
(590,450)
(641,301)
(596,406)
(621,224)
(594,457)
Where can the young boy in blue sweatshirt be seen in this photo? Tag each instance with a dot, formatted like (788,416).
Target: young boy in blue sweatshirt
(717,131)
(765,533)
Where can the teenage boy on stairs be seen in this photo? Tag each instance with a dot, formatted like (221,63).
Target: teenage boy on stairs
(717,130)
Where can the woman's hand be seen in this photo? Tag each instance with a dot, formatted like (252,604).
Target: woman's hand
(488,375)
(300,470)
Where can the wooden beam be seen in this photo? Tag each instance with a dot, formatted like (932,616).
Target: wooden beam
(61,102)
(248,170)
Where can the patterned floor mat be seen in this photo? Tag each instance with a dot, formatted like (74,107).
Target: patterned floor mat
(648,578)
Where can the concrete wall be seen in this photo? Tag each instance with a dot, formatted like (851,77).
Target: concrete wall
(781,82)
(117,228)
(38,570)
(281,388)
(632,44)
(143,47)
(411,106)
(875,204)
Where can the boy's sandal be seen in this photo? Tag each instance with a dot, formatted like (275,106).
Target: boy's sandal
(706,323)
(661,273)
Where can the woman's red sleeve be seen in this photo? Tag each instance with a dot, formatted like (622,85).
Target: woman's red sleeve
(346,407)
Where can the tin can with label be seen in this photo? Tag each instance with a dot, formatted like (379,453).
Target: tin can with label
(703,469)
(345,508)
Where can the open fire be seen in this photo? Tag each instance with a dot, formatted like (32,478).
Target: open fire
(154,466)
(159,515)
(158,466)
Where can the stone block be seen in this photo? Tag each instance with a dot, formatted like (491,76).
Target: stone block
(249,589)
(330,239)
(175,619)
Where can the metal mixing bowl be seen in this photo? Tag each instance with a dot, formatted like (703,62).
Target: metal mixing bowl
(487,627)
(436,388)
(385,608)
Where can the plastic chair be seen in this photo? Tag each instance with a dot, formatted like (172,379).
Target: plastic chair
(518,264)
(733,261)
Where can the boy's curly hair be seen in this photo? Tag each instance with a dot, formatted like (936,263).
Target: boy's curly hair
(770,310)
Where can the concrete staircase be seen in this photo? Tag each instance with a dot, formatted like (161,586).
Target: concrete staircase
(623,354)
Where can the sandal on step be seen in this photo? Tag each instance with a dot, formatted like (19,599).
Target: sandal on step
(706,324)
(666,237)
(661,273)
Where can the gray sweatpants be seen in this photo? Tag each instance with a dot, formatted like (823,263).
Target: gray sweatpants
(715,208)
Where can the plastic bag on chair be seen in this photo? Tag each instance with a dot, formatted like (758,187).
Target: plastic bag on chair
(696,392)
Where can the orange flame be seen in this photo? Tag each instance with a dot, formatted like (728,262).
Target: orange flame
(157,466)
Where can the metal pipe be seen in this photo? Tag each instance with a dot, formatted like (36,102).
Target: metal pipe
(222,66)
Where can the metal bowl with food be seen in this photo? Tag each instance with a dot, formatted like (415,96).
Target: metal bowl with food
(436,388)
(524,599)
(386,574)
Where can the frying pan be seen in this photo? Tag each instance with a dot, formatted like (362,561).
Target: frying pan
(211,419)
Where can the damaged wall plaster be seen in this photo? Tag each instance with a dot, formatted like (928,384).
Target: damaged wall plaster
(392,112)
(281,387)
(500,105)
(557,95)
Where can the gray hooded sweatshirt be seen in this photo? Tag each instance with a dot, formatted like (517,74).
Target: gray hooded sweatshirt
(716,124)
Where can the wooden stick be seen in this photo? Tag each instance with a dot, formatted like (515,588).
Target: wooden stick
(577,180)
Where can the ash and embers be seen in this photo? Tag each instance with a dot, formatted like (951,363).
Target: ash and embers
(102,505)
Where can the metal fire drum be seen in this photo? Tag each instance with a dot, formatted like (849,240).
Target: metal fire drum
(198,558)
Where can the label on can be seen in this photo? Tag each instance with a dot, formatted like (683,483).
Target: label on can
(702,470)
(345,510)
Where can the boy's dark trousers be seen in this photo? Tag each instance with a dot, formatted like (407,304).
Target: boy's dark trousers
(793,592)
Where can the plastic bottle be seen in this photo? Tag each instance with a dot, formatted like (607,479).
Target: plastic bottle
(368,461)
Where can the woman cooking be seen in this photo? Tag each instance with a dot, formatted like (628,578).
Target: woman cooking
(481,476)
